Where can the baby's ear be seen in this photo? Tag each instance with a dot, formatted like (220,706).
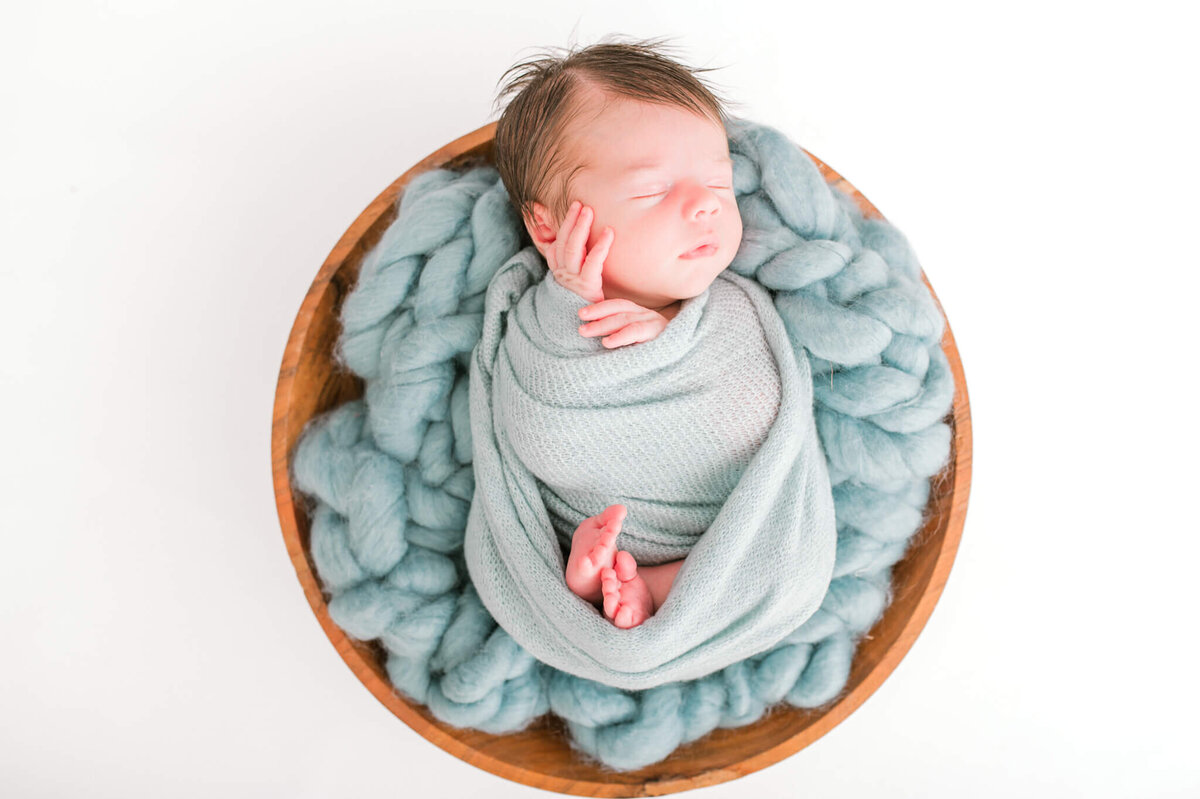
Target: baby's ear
(541,228)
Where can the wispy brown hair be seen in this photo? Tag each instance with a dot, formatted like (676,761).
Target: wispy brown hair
(530,151)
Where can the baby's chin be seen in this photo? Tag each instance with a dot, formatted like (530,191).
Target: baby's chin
(689,290)
(696,283)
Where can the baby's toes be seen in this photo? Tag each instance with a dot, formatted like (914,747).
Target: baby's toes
(625,566)
(606,547)
(610,586)
(635,606)
(626,617)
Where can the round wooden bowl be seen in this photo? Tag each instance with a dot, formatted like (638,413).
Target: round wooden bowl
(310,384)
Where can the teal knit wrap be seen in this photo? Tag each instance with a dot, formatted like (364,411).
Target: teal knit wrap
(638,426)
(392,480)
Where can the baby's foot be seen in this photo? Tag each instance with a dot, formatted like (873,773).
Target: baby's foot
(593,548)
(627,599)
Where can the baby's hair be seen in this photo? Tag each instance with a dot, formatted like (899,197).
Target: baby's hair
(529,145)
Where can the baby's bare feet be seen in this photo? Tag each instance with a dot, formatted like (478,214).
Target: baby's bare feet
(593,548)
(627,599)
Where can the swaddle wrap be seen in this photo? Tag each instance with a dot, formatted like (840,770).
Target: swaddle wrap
(710,468)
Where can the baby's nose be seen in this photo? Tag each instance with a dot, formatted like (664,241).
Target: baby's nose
(702,201)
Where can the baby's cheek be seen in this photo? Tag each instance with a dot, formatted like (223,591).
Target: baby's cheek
(618,254)
(734,220)
(614,267)
(597,231)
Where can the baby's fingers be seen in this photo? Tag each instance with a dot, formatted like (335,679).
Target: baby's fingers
(645,330)
(607,307)
(572,252)
(594,264)
(564,229)
(602,327)
(568,223)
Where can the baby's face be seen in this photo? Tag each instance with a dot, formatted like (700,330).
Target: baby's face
(662,179)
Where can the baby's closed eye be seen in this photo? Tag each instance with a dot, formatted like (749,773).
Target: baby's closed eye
(657,191)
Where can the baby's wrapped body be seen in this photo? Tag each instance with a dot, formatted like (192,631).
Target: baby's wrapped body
(707,391)
(705,433)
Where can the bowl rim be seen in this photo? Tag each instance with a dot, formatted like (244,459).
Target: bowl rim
(495,753)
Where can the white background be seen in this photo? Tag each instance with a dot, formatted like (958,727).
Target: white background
(175,173)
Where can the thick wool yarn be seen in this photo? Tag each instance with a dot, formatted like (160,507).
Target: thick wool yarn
(392,480)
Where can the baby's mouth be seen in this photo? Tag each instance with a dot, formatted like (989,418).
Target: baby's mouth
(704,250)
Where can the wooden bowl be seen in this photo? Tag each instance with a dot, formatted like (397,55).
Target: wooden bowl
(310,384)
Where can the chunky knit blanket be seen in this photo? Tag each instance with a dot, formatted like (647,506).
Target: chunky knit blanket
(668,428)
(390,478)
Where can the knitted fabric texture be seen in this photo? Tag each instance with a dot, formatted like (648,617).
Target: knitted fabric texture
(599,426)
(711,365)
(390,477)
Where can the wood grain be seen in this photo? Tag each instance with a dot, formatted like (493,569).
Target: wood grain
(310,383)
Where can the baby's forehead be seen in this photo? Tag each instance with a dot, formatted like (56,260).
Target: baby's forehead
(576,156)
(629,163)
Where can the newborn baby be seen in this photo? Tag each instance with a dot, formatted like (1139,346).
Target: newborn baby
(641,222)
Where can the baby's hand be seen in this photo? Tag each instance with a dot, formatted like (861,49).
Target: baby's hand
(631,322)
(566,258)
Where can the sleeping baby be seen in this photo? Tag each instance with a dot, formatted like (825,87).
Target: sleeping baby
(618,161)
